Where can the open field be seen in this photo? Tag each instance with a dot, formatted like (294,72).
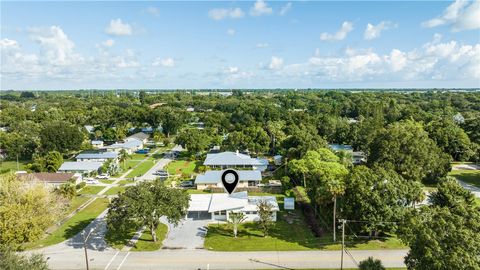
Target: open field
(467,176)
(74,225)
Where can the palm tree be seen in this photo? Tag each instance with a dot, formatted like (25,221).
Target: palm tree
(236,218)
(123,156)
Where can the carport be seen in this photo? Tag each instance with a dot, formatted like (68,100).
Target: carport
(199,215)
(198,207)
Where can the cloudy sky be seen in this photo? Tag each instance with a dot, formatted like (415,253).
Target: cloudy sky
(262,44)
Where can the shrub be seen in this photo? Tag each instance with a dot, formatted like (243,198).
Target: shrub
(371,264)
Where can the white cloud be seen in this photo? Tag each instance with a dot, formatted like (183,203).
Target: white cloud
(232,70)
(461,15)
(285,8)
(118,28)
(8,44)
(262,45)
(223,13)
(55,45)
(275,63)
(231,32)
(165,62)
(108,43)
(397,60)
(260,8)
(374,31)
(341,34)
(153,11)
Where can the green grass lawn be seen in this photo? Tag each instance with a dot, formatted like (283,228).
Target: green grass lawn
(76,202)
(124,182)
(118,240)
(468,176)
(195,191)
(141,169)
(7,166)
(74,225)
(182,167)
(145,242)
(107,181)
(115,190)
(90,190)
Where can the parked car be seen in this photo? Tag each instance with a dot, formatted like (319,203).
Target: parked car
(143,151)
(91,181)
(103,176)
(188,183)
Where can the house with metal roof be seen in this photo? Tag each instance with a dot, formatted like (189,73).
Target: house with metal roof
(97,156)
(130,146)
(247,178)
(217,206)
(227,159)
(141,136)
(82,167)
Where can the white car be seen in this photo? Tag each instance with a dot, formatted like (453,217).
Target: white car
(91,181)
(103,176)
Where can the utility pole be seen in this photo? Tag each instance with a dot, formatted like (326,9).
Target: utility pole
(85,239)
(343,241)
(334,221)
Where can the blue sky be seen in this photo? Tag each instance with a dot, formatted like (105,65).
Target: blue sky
(245,44)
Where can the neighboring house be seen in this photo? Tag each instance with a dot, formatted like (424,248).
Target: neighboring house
(234,160)
(341,147)
(130,146)
(217,206)
(90,129)
(82,167)
(190,109)
(51,179)
(359,158)
(214,179)
(96,143)
(140,136)
(98,157)
(277,160)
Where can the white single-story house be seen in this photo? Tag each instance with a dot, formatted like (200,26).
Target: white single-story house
(97,143)
(130,146)
(359,158)
(140,136)
(227,159)
(82,167)
(214,179)
(217,206)
(99,157)
(51,179)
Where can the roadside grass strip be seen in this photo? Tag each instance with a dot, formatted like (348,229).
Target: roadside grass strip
(115,190)
(118,239)
(91,190)
(141,169)
(74,225)
(468,176)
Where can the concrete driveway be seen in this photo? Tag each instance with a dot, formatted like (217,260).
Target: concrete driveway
(188,234)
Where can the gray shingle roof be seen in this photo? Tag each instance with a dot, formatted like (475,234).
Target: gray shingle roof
(100,155)
(230,159)
(214,177)
(80,166)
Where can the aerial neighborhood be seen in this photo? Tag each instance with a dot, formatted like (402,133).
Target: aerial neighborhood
(253,134)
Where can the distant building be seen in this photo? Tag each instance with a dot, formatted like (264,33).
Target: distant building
(83,167)
(211,179)
(130,146)
(218,206)
(97,143)
(99,156)
(359,158)
(51,179)
(141,136)
(90,129)
(225,160)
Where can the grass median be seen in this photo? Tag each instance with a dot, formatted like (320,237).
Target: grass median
(74,225)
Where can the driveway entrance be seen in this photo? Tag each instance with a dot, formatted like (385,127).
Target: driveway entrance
(188,234)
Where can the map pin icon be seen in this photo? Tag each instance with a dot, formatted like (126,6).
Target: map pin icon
(230,180)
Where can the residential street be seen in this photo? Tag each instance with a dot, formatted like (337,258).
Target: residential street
(73,258)
(149,175)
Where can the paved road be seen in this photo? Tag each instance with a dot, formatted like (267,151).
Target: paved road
(475,190)
(201,259)
(149,175)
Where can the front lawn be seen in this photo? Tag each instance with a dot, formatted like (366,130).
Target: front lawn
(182,167)
(90,190)
(115,190)
(141,169)
(74,225)
(118,240)
(145,242)
(468,176)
